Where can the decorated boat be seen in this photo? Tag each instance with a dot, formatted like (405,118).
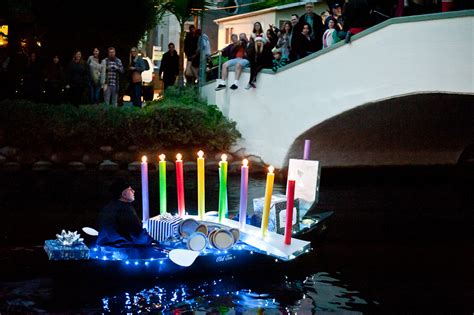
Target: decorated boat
(208,241)
(191,249)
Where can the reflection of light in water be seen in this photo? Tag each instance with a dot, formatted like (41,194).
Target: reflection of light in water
(324,292)
(318,292)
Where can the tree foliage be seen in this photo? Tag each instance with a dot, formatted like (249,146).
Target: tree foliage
(62,26)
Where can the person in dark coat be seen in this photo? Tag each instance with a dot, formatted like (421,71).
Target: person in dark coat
(33,77)
(119,225)
(190,49)
(304,44)
(77,78)
(228,51)
(316,24)
(260,57)
(54,80)
(169,68)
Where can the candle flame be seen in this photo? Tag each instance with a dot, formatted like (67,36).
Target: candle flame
(144,159)
(200,154)
(224,157)
(245,162)
(271,169)
(179,157)
(162,157)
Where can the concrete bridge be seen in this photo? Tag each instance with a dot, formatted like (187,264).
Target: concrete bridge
(401,57)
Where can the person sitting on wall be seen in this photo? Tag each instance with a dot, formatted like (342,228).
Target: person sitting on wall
(119,225)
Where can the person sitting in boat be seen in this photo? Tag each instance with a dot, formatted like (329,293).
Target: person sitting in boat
(119,225)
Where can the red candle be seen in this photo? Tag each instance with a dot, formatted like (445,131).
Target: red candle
(290,201)
(180,184)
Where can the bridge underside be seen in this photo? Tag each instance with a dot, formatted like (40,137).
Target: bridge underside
(421,129)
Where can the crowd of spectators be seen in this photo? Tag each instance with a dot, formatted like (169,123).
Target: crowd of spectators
(76,81)
(301,36)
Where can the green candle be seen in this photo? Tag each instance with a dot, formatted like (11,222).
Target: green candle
(162,170)
(222,187)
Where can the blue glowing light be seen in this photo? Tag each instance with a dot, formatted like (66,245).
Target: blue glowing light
(146,263)
(127,262)
(136,263)
(161,262)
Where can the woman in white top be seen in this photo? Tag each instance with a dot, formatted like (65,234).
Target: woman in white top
(96,71)
(330,36)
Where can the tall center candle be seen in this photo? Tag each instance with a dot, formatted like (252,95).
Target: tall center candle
(268,200)
(201,185)
(244,187)
(222,211)
(180,184)
(290,202)
(145,203)
(162,171)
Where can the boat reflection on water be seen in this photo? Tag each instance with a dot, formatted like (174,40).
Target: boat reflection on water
(319,292)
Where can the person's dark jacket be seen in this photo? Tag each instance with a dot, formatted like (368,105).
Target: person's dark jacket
(54,74)
(262,60)
(228,51)
(317,28)
(120,226)
(169,65)
(190,45)
(77,74)
(304,46)
(356,13)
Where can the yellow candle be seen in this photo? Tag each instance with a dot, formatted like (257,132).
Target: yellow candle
(268,199)
(201,189)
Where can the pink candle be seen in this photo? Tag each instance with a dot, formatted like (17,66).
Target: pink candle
(180,184)
(290,201)
(244,186)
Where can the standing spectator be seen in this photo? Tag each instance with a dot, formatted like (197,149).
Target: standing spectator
(278,60)
(324,15)
(54,79)
(244,41)
(293,35)
(337,16)
(228,50)
(203,46)
(260,56)
(305,44)
(96,70)
(356,18)
(272,38)
(32,78)
(136,66)
(330,36)
(77,77)
(113,68)
(283,43)
(190,48)
(257,31)
(239,62)
(315,23)
(169,68)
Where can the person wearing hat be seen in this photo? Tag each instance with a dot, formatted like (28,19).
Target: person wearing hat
(336,16)
(260,56)
(119,225)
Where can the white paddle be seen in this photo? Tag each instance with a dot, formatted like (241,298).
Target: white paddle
(183,257)
(90,231)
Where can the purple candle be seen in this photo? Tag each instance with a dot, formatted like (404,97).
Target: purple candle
(145,203)
(307,146)
(244,187)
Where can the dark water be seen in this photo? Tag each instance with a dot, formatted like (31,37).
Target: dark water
(401,240)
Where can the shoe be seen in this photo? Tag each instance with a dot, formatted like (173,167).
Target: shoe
(234,87)
(248,86)
(220,87)
(253,85)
